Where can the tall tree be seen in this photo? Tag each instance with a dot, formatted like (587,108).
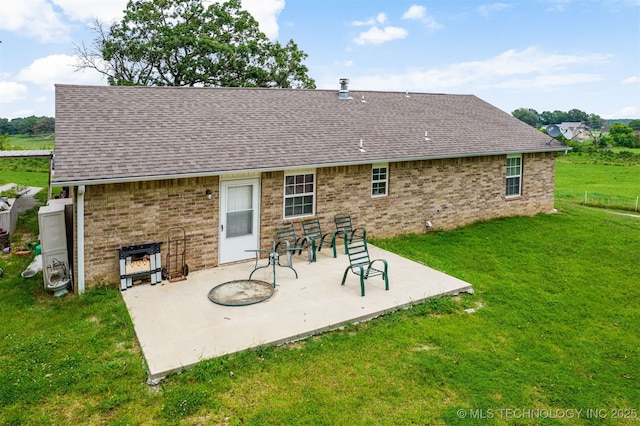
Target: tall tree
(576,115)
(527,115)
(595,122)
(635,125)
(44,125)
(555,117)
(184,43)
(25,125)
(622,135)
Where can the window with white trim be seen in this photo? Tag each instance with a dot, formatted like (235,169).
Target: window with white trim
(379,180)
(514,175)
(299,195)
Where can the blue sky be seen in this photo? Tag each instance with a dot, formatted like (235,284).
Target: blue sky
(541,54)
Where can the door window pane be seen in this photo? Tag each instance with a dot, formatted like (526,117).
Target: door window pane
(239,211)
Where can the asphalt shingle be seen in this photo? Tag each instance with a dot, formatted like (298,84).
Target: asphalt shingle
(123,133)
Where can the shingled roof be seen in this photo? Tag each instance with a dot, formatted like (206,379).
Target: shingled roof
(117,133)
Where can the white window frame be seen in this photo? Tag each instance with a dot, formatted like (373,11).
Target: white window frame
(375,182)
(289,192)
(514,171)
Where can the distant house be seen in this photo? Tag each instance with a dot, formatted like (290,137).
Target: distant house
(228,164)
(574,130)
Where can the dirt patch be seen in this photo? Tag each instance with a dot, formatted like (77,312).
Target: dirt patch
(26,202)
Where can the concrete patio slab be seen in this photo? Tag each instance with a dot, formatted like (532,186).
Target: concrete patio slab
(178,326)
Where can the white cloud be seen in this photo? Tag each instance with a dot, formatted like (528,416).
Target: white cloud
(22,113)
(39,17)
(419,13)
(486,9)
(381,18)
(83,10)
(266,12)
(626,112)
(376,35)
(632,79)
(367,23)
(10,91)
(514,70)
(53,69)
(557,5)
(33,19)
(545,81)
(415,12)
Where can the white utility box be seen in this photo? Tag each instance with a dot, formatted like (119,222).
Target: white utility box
(53,243)
(8,217)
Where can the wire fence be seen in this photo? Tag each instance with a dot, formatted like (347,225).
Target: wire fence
(595,199)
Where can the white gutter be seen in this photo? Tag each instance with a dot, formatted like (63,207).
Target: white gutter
(80,234)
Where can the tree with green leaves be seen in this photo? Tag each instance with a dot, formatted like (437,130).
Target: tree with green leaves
(26,125)
(555,117)
(595,122)
(622,135)
(44,125)
(527,115)
(575,115)
(635,125)
(185,43)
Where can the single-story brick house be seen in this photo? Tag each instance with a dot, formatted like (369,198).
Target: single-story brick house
(228,164)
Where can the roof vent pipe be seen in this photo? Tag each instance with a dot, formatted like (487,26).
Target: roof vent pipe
(344,89)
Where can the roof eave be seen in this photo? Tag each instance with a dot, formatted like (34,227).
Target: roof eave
(145,178)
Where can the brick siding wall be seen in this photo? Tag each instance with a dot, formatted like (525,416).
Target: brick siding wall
(124,214)
(449,193)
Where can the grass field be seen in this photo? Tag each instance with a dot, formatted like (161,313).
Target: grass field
(37,141)
(603,181)
(27,171)
(554,339)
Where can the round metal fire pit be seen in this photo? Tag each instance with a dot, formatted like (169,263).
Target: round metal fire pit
(241,292)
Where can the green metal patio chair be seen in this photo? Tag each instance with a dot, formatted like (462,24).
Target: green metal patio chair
(286,238)
(345,227)
(311,229)
(360,262)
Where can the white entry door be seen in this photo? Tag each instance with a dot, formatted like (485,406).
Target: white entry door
(239,219)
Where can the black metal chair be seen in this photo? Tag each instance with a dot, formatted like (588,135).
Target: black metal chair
(312,230)
(344,227)
(360,262)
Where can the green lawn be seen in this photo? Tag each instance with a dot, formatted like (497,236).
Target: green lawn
(37,141)
(604,181)
(555,331)
(27,171)
(555,327)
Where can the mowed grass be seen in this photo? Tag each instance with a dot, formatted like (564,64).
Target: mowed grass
(27,171)
(605,183)
(555,327)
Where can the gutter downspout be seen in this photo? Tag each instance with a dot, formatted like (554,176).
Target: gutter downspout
(50,177)
(80,234)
